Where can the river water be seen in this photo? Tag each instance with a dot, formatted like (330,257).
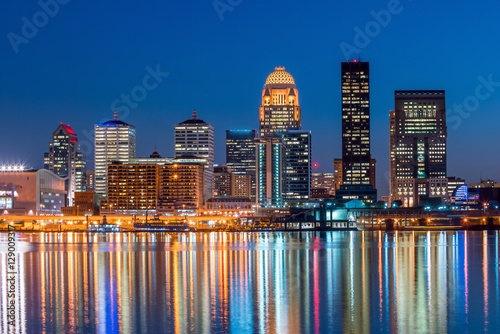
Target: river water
(310,282)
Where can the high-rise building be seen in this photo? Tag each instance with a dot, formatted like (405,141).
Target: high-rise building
(280,108)
(195,137)
(166,186)
(297,168)
(356,123)
(132,188)
(240,154)
(222,180)
(181,186)
(66,160)
(114,140)
(270,154)
(356,158)
(417,141)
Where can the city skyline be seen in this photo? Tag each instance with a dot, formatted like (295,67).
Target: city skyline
(38,97)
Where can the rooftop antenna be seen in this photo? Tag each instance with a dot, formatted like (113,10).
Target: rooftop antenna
(194,114)
(115,115)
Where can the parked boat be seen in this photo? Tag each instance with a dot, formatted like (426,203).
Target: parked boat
(105,227)
(158,225)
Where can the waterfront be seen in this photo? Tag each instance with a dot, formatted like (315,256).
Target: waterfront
(314,282)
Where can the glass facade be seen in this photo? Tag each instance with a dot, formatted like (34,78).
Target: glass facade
(114,140)
(240,153)
(66,160)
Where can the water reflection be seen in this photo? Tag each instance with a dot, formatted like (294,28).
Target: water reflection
(429,282)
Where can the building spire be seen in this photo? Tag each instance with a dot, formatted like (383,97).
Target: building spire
(195,116)
(115,115)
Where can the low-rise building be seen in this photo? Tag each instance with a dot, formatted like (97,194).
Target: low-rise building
(32,191)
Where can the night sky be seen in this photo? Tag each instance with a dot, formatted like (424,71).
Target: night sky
(79,62)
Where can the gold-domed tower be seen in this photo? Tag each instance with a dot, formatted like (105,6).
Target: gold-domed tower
(280,110)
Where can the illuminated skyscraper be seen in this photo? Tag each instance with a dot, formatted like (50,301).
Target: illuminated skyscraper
(270,155)
(240,153)
(417,144)
(66,160)
(195,137)
(280,108)
(297,169)
(356,158)
(114,140)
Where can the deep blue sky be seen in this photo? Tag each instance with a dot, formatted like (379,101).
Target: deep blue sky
(90,53)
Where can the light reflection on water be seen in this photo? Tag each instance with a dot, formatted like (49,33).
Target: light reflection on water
(324,282)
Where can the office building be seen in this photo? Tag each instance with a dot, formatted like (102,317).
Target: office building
(337,173)
(66,160)
(181,186)
(132,188)
(280,108)
(114,140)
(356,123)
(417,140)
(195,137)
(89,179)
(297,167)
(421,191)
(241,185)
(222,180)
(323,183)
(357,176)
(338,169)
(240,154)
(171,187)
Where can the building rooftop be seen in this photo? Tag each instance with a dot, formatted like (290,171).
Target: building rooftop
(280,78)
(193,120)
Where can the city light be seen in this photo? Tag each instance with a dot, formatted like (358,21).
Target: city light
(12,168)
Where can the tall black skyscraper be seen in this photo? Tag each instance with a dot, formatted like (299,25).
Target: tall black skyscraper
(355,78)
(240,153)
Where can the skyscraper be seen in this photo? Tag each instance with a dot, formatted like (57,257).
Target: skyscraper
(270,155)
(195,137)
(356,164)
(280,108)
(417,142)
(240,153)
(297,168)
(114,140)
(66,160)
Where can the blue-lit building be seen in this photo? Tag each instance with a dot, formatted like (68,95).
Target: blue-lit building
(270,154)
(114,140)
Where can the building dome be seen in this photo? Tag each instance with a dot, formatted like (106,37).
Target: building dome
(280,77)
